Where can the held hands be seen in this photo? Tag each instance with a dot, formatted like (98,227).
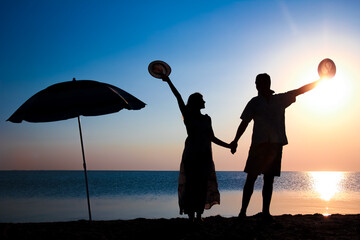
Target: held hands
(233,146)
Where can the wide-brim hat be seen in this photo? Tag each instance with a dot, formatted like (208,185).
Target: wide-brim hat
(159,68)
(327,68)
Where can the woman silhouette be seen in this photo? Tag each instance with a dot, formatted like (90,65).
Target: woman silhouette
(198,189)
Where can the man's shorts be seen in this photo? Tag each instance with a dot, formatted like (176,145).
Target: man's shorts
(264,158)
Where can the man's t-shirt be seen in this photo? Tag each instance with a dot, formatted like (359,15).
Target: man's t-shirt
(269,117)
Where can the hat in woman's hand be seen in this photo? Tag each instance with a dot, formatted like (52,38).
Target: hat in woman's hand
(159,68)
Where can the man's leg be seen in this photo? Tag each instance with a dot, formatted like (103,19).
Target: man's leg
(267,193)
(247,192)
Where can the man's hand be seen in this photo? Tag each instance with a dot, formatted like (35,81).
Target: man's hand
(233,146)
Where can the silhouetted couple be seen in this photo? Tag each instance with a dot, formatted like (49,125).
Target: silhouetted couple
(198,189)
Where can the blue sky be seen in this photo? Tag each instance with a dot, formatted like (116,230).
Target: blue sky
(214,47)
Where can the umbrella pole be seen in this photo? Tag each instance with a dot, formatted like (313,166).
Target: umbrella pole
(84,164)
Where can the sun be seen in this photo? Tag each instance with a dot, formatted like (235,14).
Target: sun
(330,95)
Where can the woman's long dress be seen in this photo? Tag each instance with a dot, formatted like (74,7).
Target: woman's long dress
(198,188)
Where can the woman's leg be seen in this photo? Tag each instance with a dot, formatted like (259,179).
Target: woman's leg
(191,216)
(198,217)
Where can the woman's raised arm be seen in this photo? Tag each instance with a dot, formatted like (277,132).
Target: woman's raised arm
(177,94)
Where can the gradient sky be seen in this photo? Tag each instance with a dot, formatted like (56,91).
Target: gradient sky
(213,47)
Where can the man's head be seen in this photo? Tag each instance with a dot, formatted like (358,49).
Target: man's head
(263,83)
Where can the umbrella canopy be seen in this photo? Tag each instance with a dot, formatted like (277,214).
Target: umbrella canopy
(72,99)
(75,98)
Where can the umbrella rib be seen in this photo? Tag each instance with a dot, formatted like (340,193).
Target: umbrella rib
(119,95)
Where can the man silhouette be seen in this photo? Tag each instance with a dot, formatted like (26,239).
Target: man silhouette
(268,138)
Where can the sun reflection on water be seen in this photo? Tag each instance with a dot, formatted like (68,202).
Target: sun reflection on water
(327,184)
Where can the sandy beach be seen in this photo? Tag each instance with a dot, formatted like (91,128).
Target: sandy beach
(216,227)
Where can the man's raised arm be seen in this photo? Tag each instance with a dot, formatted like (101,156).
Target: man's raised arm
(306,87)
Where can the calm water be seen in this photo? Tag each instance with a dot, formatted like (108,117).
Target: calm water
(36,196)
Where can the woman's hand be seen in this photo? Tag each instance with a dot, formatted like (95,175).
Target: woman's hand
(165,78)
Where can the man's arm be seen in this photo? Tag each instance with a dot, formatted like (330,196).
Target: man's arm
(305,88)
(241,129)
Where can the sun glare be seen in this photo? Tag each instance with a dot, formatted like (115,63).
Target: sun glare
(330,95)
(326,184)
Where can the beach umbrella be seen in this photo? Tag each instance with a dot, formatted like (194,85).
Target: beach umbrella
(73,99)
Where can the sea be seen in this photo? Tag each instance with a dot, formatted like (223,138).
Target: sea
(51,196)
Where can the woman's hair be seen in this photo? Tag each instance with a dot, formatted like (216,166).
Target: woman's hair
(194,104)
(194,101)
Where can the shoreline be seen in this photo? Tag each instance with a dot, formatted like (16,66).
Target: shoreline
(311,226)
